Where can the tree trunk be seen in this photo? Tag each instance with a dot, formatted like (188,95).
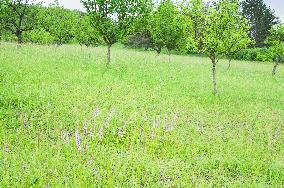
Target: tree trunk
(213,59)
(108,55)
(275,68)
(146,48)
(19,36)
(158,50)
(230,59)
(20,39)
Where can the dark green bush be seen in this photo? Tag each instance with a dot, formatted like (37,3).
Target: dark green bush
(139,40)
(255,54)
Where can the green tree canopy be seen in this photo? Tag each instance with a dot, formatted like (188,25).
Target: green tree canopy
(223,24)
(140,35)
(194,14)
(19,16)
(85,34)
(60,23)
(113,18)
(276,41)
(166,26)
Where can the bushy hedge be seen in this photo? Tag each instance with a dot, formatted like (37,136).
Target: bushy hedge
(39,36)
(139,40)
(7,37)
(255,54)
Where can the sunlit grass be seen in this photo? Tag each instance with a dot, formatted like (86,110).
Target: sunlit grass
(157,124)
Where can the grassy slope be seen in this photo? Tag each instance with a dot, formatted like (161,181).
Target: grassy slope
(46,93)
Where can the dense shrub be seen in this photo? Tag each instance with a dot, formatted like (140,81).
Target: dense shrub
(139,40)
(39,36)
(255,54)
(7,37)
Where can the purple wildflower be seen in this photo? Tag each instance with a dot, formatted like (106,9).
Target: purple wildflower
(78,141)
(26,122)
(96,113)
(91,134)
(153,135)
(6,148)
(166,126)
(95,127)
(96,172)
(158,123)
(101,134)
(107,123)
(120,132)
(171,123)
(64,137)
(91,160)
(112,112)
(85,128)
(175,117)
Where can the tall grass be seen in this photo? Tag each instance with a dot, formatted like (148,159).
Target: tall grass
(68,120)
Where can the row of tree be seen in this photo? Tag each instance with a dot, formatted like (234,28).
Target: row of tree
(29,21)
(218,29)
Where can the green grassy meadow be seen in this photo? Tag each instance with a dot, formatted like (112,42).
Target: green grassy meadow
(142,122)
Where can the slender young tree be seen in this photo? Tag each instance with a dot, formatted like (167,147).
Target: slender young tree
(166,27)
(112,18)
(276,41)
(19,16)
(222,19)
